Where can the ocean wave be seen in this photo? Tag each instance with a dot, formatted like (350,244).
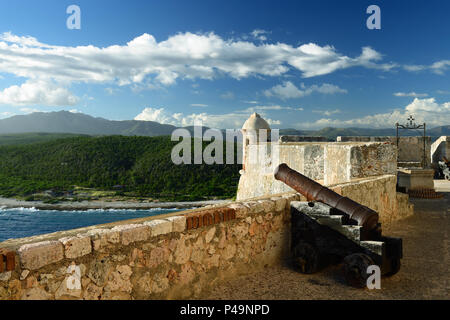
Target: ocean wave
(33,209)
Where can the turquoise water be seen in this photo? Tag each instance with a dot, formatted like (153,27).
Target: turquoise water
(25,222)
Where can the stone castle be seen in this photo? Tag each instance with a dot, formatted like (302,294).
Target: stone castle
(180,255)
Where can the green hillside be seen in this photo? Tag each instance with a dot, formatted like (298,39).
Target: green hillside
(25,138)
(141,164)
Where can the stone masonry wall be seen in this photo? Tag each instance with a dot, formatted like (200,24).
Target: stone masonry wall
(346,161)
(325,162)
(169,256)
(257,177)
(410,149)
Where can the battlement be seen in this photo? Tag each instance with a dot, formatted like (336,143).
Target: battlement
(327,162)
(410,149)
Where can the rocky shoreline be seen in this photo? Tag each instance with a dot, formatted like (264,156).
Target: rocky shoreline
(99,204)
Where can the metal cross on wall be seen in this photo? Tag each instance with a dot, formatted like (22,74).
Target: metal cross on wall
(410,124)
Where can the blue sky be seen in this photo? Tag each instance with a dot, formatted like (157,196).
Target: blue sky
(301,64)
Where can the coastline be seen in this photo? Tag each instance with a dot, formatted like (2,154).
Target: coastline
(99,204)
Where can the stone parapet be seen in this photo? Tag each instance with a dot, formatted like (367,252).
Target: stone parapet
(410,149)
(171,256)
(346,162)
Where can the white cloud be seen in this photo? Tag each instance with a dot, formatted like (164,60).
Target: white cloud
(260,34)
(30,110)
(274,107)
(414,68)
(410,94)
(314,60)
(233,120)
(6,114)
(39,92)
(251,102)
(198,105)
(327,112)
(438,67)
(22,41)
(288,90)
(423,110)
(158,115)
(181,56)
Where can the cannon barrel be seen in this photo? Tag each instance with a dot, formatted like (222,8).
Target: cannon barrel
(364,216)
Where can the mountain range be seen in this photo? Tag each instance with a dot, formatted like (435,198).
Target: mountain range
(79,123)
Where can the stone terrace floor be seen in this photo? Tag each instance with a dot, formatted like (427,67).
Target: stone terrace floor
(425,272)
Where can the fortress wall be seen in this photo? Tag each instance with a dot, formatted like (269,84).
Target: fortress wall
(344,162)
(410,148)
(257,177)
(326,162)
(174,255)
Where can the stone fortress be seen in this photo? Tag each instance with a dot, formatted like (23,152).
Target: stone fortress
(183,254)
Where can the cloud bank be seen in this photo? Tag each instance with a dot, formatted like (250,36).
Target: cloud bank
(181,56)
(37,92)
(288,90)
(424,110)
(233,120)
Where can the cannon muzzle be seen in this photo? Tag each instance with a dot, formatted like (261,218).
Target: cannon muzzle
(359,214)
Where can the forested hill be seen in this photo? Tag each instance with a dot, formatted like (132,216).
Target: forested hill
(142,164)
(79,123)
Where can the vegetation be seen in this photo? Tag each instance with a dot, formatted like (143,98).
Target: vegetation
(26,138)
(133,166)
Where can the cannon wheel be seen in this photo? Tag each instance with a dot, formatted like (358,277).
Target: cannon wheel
(305,257)
(395,267)
(355,269)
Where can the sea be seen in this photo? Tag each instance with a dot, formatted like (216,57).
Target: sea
(26,222)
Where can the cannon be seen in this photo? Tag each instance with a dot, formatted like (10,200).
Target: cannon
(331,229)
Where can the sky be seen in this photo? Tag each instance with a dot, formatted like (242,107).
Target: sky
(300,64)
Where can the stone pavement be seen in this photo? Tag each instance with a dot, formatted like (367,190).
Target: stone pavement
(425,271)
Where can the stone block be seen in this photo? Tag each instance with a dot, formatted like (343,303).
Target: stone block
(280,203)
(178,223)
(210,234)
(268,205)
(413,179)
(75,247)
(158,227)
(24,274)
(5,276)
(254,207)
(102,237)
(36,255)
(35,294)
(240,209)
(132,232)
